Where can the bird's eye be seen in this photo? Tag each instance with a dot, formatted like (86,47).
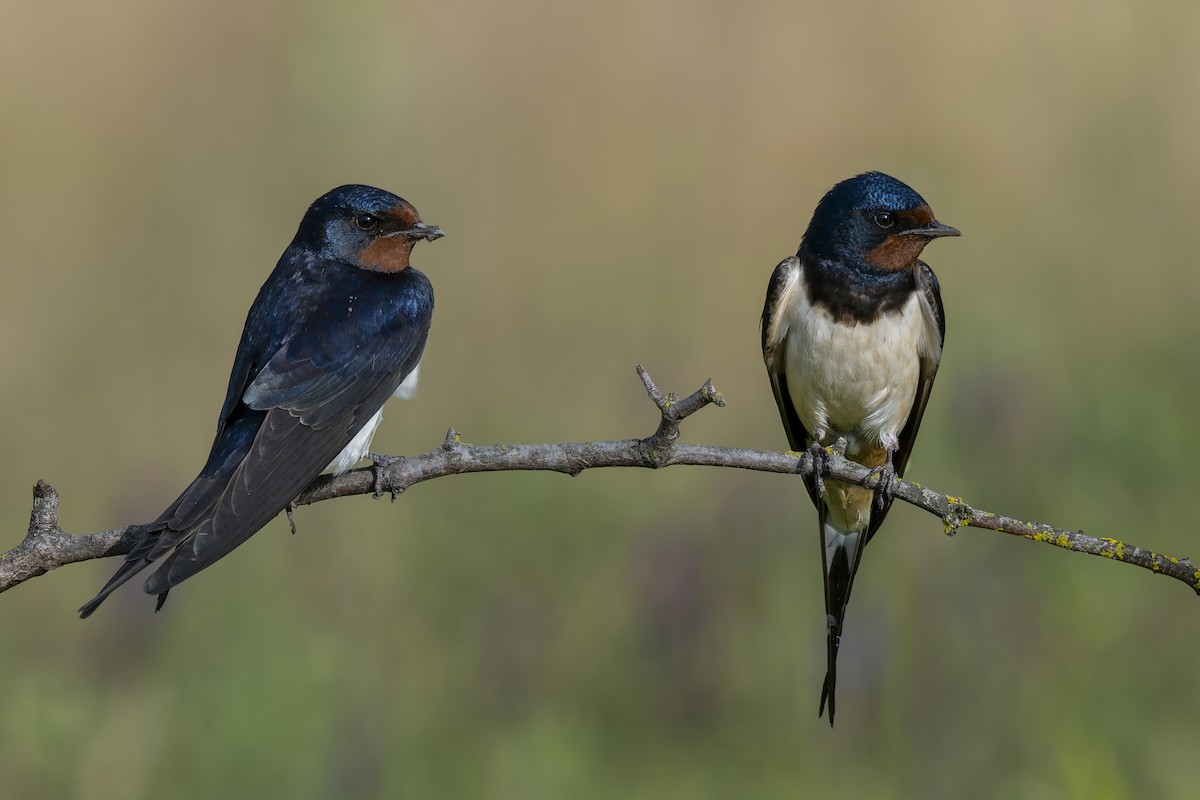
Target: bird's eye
(366,222)
(884,219)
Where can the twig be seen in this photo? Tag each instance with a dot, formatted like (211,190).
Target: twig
(47,547)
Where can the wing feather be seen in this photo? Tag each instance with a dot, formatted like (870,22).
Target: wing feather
(785,281)
(313,407)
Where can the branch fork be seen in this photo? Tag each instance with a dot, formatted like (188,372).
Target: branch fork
(660,446)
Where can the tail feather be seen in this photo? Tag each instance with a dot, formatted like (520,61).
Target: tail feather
(136,561)
(841,552)
(160,582)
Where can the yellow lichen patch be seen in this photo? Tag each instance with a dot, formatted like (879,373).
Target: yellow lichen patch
(956,515)
(1063,541)
(1117,550)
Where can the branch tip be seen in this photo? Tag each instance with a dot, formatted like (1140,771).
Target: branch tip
(655,393)
(43,518)
(712,395)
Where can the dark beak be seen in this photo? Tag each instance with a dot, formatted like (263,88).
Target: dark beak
(935,230)
(423,231)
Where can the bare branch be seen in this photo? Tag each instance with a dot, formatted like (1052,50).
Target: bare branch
(47,547)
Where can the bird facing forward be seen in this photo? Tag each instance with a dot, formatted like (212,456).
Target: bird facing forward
(852,335)
(337,329)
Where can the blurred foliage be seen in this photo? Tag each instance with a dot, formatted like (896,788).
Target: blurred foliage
(617,181)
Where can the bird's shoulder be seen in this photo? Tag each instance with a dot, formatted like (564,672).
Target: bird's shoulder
(929,291)
(781,292)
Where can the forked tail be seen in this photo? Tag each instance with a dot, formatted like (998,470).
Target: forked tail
(841,552)
(134,563)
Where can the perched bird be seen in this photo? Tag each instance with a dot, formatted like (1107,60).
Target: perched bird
(852,334)
(337,329)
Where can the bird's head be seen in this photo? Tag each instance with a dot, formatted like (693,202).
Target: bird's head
(873,219)
(364,226)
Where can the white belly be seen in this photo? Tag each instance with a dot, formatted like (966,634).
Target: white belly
(857,381)
(360,445)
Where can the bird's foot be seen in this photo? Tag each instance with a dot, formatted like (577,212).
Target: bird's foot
(378,465)
(885,483)
(289,508)
(819,458)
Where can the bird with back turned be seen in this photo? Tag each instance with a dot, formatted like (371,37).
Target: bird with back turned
(337,328)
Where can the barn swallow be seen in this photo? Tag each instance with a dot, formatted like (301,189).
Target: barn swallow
(337,329)
(852,334)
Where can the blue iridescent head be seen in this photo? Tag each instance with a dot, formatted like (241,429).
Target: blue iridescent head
(872,221)
(367,227)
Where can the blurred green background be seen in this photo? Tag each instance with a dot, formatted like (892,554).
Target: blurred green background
(617,181)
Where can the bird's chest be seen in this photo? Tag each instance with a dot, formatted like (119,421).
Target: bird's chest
(857,379)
